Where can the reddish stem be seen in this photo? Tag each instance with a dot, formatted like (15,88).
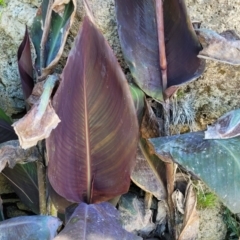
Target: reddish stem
(161,42)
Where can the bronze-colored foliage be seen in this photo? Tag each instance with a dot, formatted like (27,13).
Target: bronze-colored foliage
(92,151)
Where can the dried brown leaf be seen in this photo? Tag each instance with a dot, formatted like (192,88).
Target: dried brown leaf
(227,126)
(191,217)
(58,5)
(38,123)
(223,48)
(31,129)
(11,153)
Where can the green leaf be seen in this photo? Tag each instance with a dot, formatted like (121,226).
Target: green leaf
(138,98)
(4,117)
(29,228)
(216,162)
(59,24)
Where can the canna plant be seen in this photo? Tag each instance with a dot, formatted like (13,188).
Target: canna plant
(91,117)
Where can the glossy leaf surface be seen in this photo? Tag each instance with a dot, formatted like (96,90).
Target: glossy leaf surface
(95,221)
(138,32)
(54,40)
(92,151)
(25,65)
(23,179)
(216,162)
(29,228)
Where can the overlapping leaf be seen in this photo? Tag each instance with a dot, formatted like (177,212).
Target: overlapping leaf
(92,151)
(138,24)
(56,26)
(216,162)
(149,172)
(95,221)
(25,65)
(29,227)
(23,178)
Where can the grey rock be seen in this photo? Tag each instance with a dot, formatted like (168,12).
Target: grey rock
(13,18)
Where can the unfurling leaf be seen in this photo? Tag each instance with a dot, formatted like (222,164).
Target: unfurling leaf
(23,178)
(49,44)
(191,217)
(92,151)
(29,227)
(221,47)
(157,44)
(38,123)
(95,221)
(227,126)
(216,162)
(25,66)
(11,153)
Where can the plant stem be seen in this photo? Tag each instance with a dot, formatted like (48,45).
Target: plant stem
(41,175)
(161,42)
(42,187)
(170,172)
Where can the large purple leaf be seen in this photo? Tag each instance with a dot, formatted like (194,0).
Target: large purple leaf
(92,151)
(139,27)
(29,228)
(95,221)
(25,66)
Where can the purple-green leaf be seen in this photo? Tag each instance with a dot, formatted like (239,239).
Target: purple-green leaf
(95,221)
(25,65)
(92,150)
(23,179)
(6,132)
(139,27)
(216,162)
(52,39)
(29,228)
